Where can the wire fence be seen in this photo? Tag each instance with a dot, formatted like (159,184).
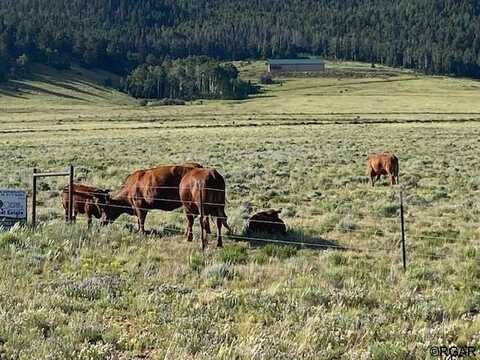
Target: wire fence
(168,228)
(421,243)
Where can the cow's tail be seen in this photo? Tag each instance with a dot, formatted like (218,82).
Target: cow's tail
(203,198)
(217,201)
(223,216)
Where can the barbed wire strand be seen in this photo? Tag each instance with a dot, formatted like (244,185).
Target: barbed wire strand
(416,254)
(305,244)
(129,209)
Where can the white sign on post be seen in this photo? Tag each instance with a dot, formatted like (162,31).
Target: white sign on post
(13,207)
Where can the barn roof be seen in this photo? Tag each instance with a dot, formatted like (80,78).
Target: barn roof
(295,61)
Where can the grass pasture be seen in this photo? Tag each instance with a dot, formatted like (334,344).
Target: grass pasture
(71,292)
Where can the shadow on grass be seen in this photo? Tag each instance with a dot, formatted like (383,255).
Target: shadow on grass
(12,89)
(24,88)
(253,97)
(17,88)
(296,238)
(65,85)
(11,93)
(159,232)
(78,79)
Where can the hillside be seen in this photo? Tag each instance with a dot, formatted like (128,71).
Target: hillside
(440,37)
(48,87)
(349,92)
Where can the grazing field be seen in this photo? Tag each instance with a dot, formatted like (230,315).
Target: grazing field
(72,292)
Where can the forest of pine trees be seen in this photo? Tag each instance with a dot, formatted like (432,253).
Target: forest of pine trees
(131,36)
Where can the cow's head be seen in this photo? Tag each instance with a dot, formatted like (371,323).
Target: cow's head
(110,209)
(103,200)
(101,197)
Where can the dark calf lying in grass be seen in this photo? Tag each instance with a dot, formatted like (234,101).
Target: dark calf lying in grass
(86,201)
(266,221)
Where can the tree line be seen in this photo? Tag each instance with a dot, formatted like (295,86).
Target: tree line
(190,78)
(433,36)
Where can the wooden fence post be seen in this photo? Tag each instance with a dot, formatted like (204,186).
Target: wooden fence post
(402,224)
(70,194)
(34,198)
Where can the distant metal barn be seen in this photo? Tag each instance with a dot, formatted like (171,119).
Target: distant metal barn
(295,65)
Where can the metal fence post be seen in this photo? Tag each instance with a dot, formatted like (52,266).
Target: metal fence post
(70,194)
(201,219)
(34,198)
(402,224)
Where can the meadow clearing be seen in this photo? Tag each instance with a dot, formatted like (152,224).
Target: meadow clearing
(72,292)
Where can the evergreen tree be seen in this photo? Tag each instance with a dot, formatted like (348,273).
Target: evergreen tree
(438,37)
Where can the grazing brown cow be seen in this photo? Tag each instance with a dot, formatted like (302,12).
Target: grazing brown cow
(266,221)
(86,201)
(382,164)
(206,187)
(144,190)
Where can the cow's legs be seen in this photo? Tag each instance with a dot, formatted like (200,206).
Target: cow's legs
(141,216)
(186,227)
(206,225)
(202,225)
(219,231)
(74,215)
(190,221)
(89,214)
(392,179)
(372,178)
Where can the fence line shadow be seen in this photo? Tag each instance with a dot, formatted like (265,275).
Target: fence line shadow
(295,238)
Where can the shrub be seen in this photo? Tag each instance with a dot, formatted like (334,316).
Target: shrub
(346,225)
(166,102)
(196,262)
(338,259)
(260,257)
(470,252)
(389,210)
(440,194)
(266,79)
(7,239)
(416,200)
(279,251)
(93,288)
(328,224)
(234,254)
(387,350)
(216,273)
(96,351)
(91,334)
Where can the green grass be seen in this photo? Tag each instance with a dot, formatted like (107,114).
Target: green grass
(71,292)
